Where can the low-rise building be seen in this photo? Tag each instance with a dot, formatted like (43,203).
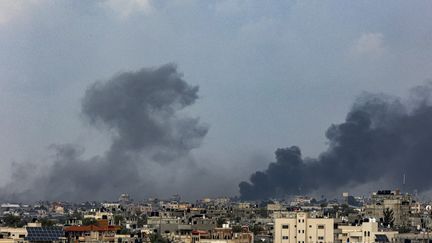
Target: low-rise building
(399,204)
(101,232)
(367,232)
(300,228)
(12,235)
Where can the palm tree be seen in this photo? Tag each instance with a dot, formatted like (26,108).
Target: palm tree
(388,217)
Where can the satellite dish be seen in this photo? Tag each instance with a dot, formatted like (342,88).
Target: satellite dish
(428,207)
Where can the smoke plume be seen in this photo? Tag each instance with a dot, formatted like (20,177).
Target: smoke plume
(382,138)
(142,112)
(141,109)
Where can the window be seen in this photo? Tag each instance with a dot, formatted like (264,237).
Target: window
(320,237)
(321,226)
(299,221)
(310,226)
(368,233)
(284,237)
(299,231)
(365,233)
(302,220)
(303,231)
(285,226)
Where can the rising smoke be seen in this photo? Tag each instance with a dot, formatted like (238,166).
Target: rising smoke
(381,139)
(142,112)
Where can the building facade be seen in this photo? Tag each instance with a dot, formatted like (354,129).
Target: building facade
(367,232)
(300,228)
(399,204)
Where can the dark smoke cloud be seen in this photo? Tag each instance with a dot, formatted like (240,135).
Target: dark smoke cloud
(142,110)
(382,138)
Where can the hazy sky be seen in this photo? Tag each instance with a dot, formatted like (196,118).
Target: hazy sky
(271,73)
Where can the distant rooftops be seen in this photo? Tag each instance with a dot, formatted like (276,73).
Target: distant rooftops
(387,192)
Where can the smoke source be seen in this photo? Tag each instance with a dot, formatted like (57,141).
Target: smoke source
(381,139)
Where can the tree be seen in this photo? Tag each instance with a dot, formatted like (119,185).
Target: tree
(89,221)
(76,215)
(157,238)
(256,229)
(388,217)
(142,220)
(404,229)
(118,219)
(125,231)
(346,210)
(236,228)
(11,220)
(220,222)
(46,222)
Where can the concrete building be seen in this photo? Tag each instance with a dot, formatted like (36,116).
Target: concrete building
(399,203)
(274,207)
(300,201)
(224,234)
(300,228)
(102,232)
(12,235)
(367,232)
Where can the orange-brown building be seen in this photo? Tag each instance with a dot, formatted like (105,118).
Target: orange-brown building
(87,233)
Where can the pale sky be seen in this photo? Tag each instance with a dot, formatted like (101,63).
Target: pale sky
(271,73)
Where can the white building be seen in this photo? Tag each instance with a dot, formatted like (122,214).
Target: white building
(367,232)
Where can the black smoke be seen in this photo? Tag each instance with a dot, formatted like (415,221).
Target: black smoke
(381,139)
(142,111)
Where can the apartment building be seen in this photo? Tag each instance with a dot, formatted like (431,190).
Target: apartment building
(300,228)
(399,203)
(367,232)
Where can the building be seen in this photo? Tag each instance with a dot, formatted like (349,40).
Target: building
(124,198)
(12,235)
(300,201)
(399,203)
(367,232)
(102,232)
(300,228)
(274,207)
(224,234)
